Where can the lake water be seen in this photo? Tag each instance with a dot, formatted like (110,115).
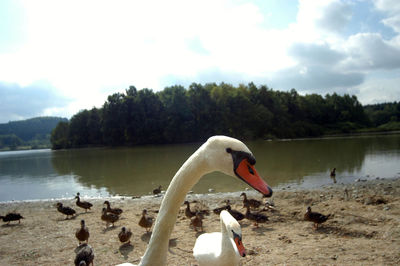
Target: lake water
(103,172)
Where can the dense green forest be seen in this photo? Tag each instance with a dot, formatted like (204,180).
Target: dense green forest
(177,114)
(31,133)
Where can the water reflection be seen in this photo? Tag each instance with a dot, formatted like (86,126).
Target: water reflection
(137,171)
(133,171)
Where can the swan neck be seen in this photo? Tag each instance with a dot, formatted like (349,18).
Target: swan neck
(227,246)
(186,177)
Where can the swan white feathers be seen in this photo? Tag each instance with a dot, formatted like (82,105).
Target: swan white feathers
(221,248)
(218,153)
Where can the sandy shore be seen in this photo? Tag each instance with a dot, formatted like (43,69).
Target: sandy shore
(364,229)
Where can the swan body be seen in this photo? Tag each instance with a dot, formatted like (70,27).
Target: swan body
(218,153)
(221,248)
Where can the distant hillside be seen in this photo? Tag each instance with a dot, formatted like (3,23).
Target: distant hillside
(33,132)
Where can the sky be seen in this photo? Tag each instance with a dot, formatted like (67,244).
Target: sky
(60,57)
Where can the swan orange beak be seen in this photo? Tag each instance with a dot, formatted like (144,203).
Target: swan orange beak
(240,247)
(248,174)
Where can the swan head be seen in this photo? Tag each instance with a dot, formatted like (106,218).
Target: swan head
(234,231)
(232,157)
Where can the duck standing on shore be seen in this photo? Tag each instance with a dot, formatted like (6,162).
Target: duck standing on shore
(157,191)
(255,204)
(315,217)
(65,210)
(188,213)
(255,217)
(236,214)
(116,211)
(83,204)
(333,175)
(82,233)
(109,217)
(146,222)
(220,209)
(197,222)
(125,235)
(84,255)
(12,216)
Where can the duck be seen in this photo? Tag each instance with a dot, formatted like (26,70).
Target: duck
(219,153)
(255,204)
(65,210)
(197,222)
(83,204)
(236,214)
(12,216)
(157,191)
(188,213)
(84,255)
(116,211)
(125,235)
(109,217)
(315,217)
(333,175)
(221,248)
(333,172)
(255,217)
(219,209)
(201,208)
(146,222)
(82,233)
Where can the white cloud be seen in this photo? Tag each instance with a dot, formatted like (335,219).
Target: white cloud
(393,22)
(18,102)
(392,8)
(380,87)
(367,51)
(88,50)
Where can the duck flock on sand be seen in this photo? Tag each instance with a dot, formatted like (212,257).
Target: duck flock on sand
(219,153)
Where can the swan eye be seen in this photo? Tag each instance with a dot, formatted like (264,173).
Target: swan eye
(236,236)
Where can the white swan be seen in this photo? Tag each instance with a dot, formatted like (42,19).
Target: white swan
(219,153)
(221,248)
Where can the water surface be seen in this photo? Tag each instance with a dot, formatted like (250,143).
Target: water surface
(44,174)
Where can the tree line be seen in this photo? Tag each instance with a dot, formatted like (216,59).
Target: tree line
(177,115)
(33,132)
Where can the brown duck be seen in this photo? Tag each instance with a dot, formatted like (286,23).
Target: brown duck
(116,211)
(146,222)
(255,217)
(188,213)
(65,210)
(157,191)
(12,216)
(333,175)
(220,209)
(252,203)
(109,217)
(84,255)
(236,214)
(125,235)
(315,217)
(197,222)
(82,233)
(83,204)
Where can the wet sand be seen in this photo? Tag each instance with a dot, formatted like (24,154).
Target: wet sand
(364,229)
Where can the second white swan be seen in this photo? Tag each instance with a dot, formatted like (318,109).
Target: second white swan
(221,248)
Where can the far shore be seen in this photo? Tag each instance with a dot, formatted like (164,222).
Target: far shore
(338,135)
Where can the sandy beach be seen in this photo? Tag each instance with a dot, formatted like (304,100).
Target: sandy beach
(364,228)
